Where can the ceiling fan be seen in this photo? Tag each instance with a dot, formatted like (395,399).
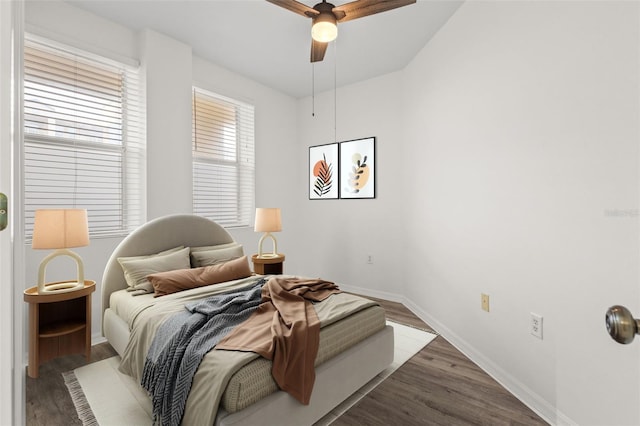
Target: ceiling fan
(325,17)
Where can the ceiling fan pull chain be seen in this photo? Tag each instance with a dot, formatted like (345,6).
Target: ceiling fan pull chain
(313,89)
(335,91)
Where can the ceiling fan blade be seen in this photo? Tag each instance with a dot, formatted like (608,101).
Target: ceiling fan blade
(317,50)
(296,7)
(360,8)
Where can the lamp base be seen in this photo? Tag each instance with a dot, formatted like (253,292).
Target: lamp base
(60,287)
(271,255)
(268,256)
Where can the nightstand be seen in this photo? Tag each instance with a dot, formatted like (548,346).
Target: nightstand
(59,324)
(269,265)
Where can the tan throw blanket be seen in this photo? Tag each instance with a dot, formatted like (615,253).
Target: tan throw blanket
(286,330)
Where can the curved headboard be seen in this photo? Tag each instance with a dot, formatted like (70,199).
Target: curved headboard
(160,234)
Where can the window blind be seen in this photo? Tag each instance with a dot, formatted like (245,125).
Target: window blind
(223,159)
(83,137)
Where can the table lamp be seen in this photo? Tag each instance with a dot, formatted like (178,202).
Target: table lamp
(60,229)
(268,221)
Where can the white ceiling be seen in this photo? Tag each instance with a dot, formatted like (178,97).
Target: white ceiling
(271,45)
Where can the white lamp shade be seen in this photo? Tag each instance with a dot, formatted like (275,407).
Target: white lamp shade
(60,228)
(268,220)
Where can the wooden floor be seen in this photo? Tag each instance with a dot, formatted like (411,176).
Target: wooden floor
(438,386)
(47,398)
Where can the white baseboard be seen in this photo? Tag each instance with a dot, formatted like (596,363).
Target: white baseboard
(392,297)
(535,402)
(97,338)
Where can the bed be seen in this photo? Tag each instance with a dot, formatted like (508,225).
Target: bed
(248,396)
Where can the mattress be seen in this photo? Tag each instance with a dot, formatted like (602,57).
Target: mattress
(254,380)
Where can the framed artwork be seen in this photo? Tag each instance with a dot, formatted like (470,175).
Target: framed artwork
(323,172)
(358,168)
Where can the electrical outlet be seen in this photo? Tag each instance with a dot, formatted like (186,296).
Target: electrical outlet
(370,259)
(536,325)
(484,302)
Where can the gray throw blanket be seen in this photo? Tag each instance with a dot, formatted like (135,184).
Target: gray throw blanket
(181,343)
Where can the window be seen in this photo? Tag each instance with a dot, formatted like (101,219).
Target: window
(83,137)
(223,159)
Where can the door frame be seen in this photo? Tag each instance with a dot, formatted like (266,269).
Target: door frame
(12,310)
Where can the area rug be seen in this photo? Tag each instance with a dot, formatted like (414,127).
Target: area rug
(103,396)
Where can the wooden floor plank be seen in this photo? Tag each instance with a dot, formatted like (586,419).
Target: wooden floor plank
(438,386)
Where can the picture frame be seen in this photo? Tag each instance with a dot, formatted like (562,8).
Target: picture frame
(324,172)
(358,168)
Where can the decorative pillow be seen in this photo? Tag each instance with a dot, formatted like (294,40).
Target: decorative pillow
(216,247)
(185,279)
(213,255)
(146,287)
(137,268)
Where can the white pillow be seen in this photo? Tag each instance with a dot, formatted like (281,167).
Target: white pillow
(213,255)
(137,268)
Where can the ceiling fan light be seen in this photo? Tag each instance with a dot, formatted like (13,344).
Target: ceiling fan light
(324,28)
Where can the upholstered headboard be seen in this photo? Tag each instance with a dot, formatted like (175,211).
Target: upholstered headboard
(155,236)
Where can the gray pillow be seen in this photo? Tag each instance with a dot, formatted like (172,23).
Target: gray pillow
(213,255)
(137,268)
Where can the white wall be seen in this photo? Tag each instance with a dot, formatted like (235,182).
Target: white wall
(334,237)
(524,118)
(167,70)
(68,24)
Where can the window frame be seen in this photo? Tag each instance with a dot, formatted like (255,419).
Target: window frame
(128,201)
(243,164)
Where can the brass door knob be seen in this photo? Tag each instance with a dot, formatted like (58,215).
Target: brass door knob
(621,325)
(3,211)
